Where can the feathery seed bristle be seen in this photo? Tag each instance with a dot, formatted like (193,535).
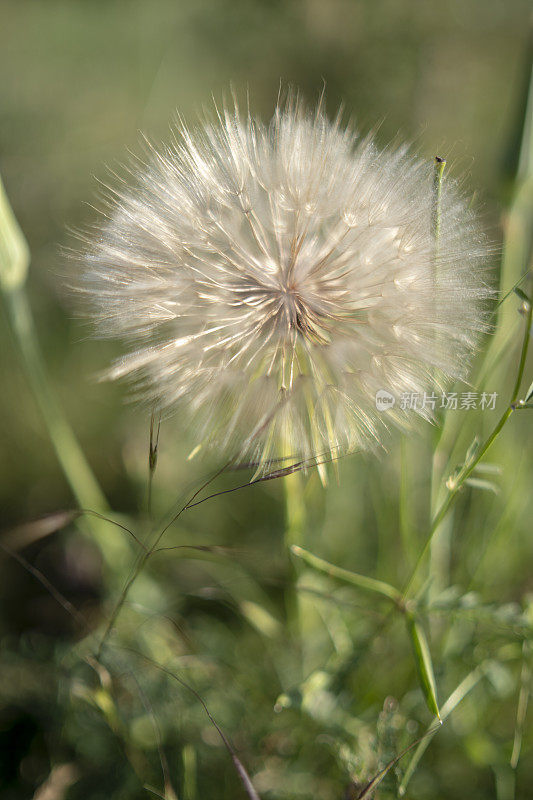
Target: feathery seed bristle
(270,280)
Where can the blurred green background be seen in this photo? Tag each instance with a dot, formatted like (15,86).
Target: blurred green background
(79,80)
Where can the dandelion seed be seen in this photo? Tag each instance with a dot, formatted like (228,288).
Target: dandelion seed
(268,281)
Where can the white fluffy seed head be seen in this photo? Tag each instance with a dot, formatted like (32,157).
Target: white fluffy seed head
(269,280)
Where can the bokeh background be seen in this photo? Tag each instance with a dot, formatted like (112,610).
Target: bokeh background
(79,80)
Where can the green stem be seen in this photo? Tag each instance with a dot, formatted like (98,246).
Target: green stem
(345,575)
(141,561)
(14,265)
(295,514)
(76,469)
(469,467)
(143,558)
(69,453)
(518,240)
(294,508)
(439,555)
(456,697)
(440,165)
(523,354)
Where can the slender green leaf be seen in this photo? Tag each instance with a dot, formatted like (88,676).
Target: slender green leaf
(361,581)
(423,663)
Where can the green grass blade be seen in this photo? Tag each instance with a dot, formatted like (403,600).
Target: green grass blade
(466,686)
(345,575)
(423,663)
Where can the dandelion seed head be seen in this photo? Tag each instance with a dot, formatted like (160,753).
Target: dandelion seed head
(267,281)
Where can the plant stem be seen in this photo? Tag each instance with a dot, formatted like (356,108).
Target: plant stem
(14,265)
(141,561)
(468,467)
(440,166)
(294,508)
(295,514)
(345,575)
(144,556)
(69,453)
(518,239)
(440,549)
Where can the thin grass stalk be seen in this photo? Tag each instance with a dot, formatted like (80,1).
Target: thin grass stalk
(516,256)
(295,520)
(440,546)
(14,264)
(69,453)
(458,481)
(517,245)
(516,252)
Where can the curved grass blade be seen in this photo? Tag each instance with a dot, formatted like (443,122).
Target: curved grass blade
(451,703)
